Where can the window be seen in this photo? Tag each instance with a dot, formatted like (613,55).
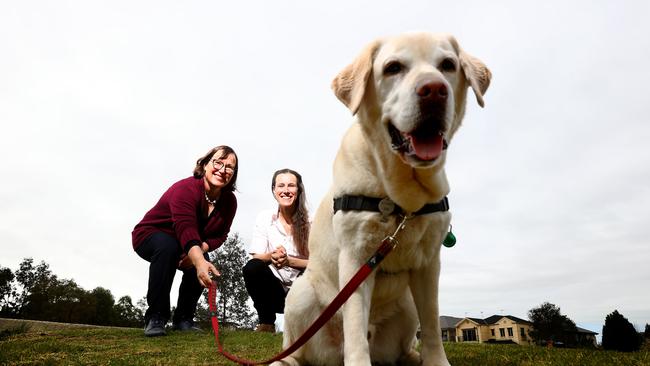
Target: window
(510,332)
(523,333)
(469,335)
(492,330)
(502,332)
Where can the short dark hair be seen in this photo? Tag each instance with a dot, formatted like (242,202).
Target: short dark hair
(199,169)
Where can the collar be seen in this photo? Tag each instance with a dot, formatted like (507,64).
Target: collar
(384,205)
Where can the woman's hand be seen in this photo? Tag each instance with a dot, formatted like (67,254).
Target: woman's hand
(203,267)
(186,262)
(279,257)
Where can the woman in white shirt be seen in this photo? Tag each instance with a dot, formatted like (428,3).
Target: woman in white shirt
(278,250)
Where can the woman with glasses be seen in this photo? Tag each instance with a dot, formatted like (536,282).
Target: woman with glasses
(278,249)
(191,218)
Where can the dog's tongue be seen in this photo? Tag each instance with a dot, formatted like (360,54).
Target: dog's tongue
(427,147)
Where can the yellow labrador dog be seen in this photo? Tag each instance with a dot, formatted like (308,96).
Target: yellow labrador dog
(408,95)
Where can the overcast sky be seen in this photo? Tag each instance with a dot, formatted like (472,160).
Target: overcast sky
(104,104)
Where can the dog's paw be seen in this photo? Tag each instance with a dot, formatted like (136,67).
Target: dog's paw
(289,361)
(412,358)
(440,361)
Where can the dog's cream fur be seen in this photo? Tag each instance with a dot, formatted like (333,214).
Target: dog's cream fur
(379,322)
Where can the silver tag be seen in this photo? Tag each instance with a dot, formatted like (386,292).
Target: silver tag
(386,207)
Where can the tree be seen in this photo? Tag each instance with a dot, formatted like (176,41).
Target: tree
(142,306)
(549,325)
(232,297)
(63,301)
(7,292)
(646,334)
(619,334)
(104,313)
(43,296)
(127,315)
(35,283)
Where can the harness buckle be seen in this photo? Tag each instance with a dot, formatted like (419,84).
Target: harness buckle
(386,208)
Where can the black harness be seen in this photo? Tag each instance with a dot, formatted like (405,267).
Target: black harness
(384,205)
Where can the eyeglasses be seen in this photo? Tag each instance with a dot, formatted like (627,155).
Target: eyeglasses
(218,165)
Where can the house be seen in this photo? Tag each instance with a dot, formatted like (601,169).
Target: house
(582,337)
(502,329)
(495,329)
(448,328)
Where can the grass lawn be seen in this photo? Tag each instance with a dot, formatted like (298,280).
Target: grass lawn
(55,344)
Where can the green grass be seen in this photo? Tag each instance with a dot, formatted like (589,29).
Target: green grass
(466,354)
(113,346)
(126,346)
(8,331)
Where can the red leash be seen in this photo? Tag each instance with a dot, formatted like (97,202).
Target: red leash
(386,246)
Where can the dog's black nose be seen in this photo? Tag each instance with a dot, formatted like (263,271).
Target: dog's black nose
(431,91)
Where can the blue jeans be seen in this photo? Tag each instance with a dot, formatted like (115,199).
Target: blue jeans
(163,252)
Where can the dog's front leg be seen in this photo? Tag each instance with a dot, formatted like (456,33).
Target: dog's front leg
(424,287)
(356,311)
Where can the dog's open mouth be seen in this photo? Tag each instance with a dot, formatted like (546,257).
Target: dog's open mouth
(423,143)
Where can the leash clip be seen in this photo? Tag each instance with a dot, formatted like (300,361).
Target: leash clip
(388,244)
(399,228)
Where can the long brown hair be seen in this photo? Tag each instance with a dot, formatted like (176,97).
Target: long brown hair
(199,169)
(300,219)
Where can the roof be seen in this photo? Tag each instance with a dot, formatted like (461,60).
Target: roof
(487,321)
(448,322)
(584,331)
(475,320)
(495,318)
(451,322)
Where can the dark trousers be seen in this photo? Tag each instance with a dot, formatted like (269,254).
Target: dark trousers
(265,290)
(163,252)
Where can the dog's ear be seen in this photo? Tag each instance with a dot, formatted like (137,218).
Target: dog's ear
(477,74)
(350,84)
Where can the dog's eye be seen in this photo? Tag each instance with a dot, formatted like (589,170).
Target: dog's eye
(393,68)
(447,65)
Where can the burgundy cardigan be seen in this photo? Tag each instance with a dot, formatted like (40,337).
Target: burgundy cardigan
(181,213)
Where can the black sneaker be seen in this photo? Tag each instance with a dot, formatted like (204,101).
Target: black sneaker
(186,325)
(155,327)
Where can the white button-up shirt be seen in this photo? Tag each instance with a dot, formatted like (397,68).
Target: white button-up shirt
(268,235)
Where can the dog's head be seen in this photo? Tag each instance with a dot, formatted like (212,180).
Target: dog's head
(414,85)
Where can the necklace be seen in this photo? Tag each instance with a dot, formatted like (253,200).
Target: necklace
(212,202)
